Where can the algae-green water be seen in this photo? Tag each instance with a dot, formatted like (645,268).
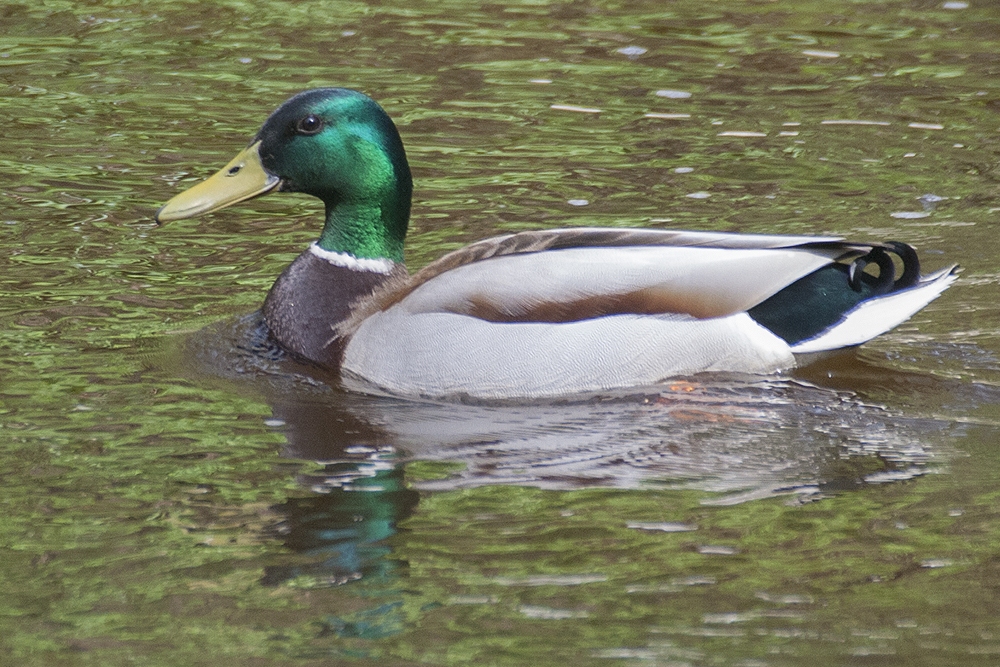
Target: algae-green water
(172,497)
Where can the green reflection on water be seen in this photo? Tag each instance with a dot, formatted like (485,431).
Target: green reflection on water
(145,504)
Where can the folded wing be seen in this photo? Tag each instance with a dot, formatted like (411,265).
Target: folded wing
(587,273)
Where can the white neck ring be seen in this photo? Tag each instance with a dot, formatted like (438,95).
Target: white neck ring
(349,261)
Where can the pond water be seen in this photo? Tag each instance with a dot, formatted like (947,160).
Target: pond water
(172,497)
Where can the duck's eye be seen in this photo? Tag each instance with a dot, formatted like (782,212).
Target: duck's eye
(311,124)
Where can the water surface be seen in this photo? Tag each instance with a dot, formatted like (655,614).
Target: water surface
(171,498)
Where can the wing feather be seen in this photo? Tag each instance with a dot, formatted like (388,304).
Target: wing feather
(590,272)
(582,283)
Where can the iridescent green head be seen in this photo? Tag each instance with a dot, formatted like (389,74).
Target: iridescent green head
(332,143)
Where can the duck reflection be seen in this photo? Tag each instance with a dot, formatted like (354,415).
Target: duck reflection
(359,497)
(739,438)
(343,530)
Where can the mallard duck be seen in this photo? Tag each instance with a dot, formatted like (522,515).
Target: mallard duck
(539,313)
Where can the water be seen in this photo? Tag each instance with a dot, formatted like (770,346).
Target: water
(171,498)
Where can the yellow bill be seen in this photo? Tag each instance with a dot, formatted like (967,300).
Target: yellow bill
(241,179)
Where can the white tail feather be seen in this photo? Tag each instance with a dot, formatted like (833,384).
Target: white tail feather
(878,315)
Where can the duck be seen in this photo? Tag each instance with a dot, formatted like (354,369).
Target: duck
(535,314)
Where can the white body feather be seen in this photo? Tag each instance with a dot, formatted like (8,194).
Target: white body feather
(442,354)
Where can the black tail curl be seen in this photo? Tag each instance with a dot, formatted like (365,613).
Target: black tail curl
(886,281)
(816,302)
